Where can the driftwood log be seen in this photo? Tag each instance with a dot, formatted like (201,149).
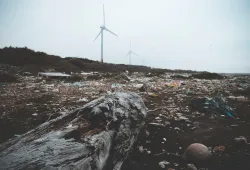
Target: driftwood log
(97,136)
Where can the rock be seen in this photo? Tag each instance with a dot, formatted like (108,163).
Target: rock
(191,167)
(163,164)
(102,131)
(197,152)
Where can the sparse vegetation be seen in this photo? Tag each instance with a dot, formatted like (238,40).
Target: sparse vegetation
(207,75)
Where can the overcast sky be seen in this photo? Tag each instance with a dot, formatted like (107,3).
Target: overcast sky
(211,35)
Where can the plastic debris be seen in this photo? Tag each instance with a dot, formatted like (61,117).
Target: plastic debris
(219,149)
(115,85)
(152,94)
(82,100)
(163,164)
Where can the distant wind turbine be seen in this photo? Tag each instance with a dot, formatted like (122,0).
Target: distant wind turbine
(103,27)
(129,54)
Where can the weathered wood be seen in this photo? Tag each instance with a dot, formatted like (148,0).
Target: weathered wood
(97,136)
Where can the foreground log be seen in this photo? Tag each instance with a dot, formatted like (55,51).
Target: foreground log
(97,136)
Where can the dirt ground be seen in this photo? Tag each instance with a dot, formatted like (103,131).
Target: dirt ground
(175,117)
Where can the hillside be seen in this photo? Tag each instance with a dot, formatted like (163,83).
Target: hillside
(31,61)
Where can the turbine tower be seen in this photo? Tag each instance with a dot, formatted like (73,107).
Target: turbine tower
(103,28)
(129,53)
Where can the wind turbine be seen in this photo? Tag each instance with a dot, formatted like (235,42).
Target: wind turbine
(129,54)
(103,28)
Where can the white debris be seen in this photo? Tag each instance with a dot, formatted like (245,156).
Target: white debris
(140,148)
(175,164)
(176,128)
(162,164)
(69,126)
(34,114)
(82,100)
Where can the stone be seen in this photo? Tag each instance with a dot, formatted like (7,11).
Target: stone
(191,167)
(197,152)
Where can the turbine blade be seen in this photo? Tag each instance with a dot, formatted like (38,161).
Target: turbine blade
(127,54)
(103,16)
(98,35)
(135,53)
(110,31)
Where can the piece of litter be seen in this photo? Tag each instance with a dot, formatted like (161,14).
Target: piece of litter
(69,126)
(163,164)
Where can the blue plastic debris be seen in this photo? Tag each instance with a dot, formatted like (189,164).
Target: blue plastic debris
(229,114)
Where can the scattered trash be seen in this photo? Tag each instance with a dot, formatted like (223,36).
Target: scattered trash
(166,123)
(229,114)
(175,164)
(141,149)
(82,100)
(167,101)
(238,97)
(152,94)
(216,106)
(69,126)
(123,76)
(219,149)
(115,85)
(163,164)
(180,117)
(241,140)
(174,84)
(176,128)
(190,92)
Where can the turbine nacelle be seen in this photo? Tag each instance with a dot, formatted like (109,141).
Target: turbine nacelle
(102,27)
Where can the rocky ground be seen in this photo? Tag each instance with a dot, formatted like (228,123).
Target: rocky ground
(181,110)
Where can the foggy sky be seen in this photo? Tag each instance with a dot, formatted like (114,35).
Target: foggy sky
(211,35)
